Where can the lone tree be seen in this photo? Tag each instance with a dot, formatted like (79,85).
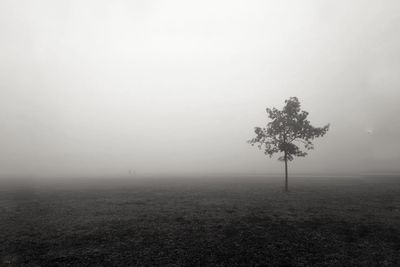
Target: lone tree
(288,130)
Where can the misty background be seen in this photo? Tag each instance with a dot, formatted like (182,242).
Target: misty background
(163,87)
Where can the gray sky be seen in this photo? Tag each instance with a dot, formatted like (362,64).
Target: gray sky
(101,87)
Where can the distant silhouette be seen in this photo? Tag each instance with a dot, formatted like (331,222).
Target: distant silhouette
(288,129)
(132,173)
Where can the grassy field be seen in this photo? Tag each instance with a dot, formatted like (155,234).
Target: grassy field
(197,222)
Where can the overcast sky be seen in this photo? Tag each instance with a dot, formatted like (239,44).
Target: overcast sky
(104,87)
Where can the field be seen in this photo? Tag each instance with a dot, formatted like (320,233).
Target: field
(326,221)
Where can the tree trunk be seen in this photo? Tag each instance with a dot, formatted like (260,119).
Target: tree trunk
(286,174)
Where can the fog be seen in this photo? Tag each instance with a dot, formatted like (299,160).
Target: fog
(110,88)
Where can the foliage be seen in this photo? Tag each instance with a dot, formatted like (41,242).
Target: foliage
(288,130)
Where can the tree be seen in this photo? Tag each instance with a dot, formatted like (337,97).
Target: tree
(288,130)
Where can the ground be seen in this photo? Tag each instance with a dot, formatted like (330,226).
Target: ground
(322,221)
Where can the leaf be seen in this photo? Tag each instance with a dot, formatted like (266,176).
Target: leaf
(287,131)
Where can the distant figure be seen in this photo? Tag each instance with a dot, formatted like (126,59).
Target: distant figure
(288,129)
(132,173)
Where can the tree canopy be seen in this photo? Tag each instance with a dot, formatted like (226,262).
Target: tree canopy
(288,131)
